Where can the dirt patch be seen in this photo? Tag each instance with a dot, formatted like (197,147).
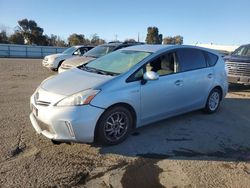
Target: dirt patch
(142,173)
(17,150)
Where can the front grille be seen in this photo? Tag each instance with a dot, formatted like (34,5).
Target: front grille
(238,69)
(42,103)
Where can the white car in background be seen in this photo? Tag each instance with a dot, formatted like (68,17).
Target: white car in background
(54,61)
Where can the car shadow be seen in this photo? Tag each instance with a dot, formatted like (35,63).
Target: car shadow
(239,88)
(223,136)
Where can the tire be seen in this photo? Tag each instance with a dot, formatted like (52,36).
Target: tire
(114,125)
(213,101)
(59,64)
(53,69)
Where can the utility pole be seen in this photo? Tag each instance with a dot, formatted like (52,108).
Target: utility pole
(138,39)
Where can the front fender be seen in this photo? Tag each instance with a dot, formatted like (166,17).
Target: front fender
(128,96)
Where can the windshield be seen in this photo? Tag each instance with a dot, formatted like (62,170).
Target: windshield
(242,51)
(118,61)
(99,51)
(69,50)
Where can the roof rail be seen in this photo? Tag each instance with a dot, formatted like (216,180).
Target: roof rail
(130,42)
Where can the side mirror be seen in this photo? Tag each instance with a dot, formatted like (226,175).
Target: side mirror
(150,75)
(77,52)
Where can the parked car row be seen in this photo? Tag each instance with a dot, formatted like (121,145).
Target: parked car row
(107,97)
(78,55)
(54,61)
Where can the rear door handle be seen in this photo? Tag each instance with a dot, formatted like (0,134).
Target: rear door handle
(178,82)
(210,75)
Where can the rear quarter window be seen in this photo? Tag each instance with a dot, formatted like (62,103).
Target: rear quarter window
(191,59)
(211,58)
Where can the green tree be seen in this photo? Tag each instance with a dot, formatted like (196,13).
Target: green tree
(55,40)
(42,40)
(168,40)
(87,41)
(153,36)
(95,40)
(32,33)
(16,38)
(76,39)
(173,40)
(3,37)
(178,39)
(160,38)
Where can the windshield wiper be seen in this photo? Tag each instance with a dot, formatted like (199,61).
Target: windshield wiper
(98,71)
(106,73)
(83,67)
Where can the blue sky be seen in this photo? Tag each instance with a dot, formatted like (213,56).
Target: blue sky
(205,21)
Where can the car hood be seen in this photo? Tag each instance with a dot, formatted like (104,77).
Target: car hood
(79,60)
(234,58)
(73,81)
(60,55)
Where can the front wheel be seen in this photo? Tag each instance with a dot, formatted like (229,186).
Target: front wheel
(213,101)
(59,64)
(114,125)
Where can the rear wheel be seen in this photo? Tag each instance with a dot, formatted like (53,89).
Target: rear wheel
(213,101)
(114,125)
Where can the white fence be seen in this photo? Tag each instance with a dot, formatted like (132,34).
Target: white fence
(229,48)
(28,51)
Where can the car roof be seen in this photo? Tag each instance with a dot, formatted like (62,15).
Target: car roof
(79,46)
(121,44)
(153,48)
(111,44)
(148,47)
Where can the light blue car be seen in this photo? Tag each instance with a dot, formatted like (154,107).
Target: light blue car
(129,88)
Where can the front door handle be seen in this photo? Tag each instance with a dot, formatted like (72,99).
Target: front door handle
(178,82)
(210,75)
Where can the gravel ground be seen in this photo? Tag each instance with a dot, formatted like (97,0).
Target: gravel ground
(192,150)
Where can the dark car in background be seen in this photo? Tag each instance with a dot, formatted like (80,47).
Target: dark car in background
(94,53)
(238,64)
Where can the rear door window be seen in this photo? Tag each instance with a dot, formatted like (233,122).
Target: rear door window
(191,59)
(164,64)
(211,58)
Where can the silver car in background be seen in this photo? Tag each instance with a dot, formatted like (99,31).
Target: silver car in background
(54,61)
(129,88)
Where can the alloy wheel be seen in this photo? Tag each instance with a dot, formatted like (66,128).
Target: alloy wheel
(116,126)
(214,101)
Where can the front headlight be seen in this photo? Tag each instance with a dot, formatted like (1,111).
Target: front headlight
(81,98)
